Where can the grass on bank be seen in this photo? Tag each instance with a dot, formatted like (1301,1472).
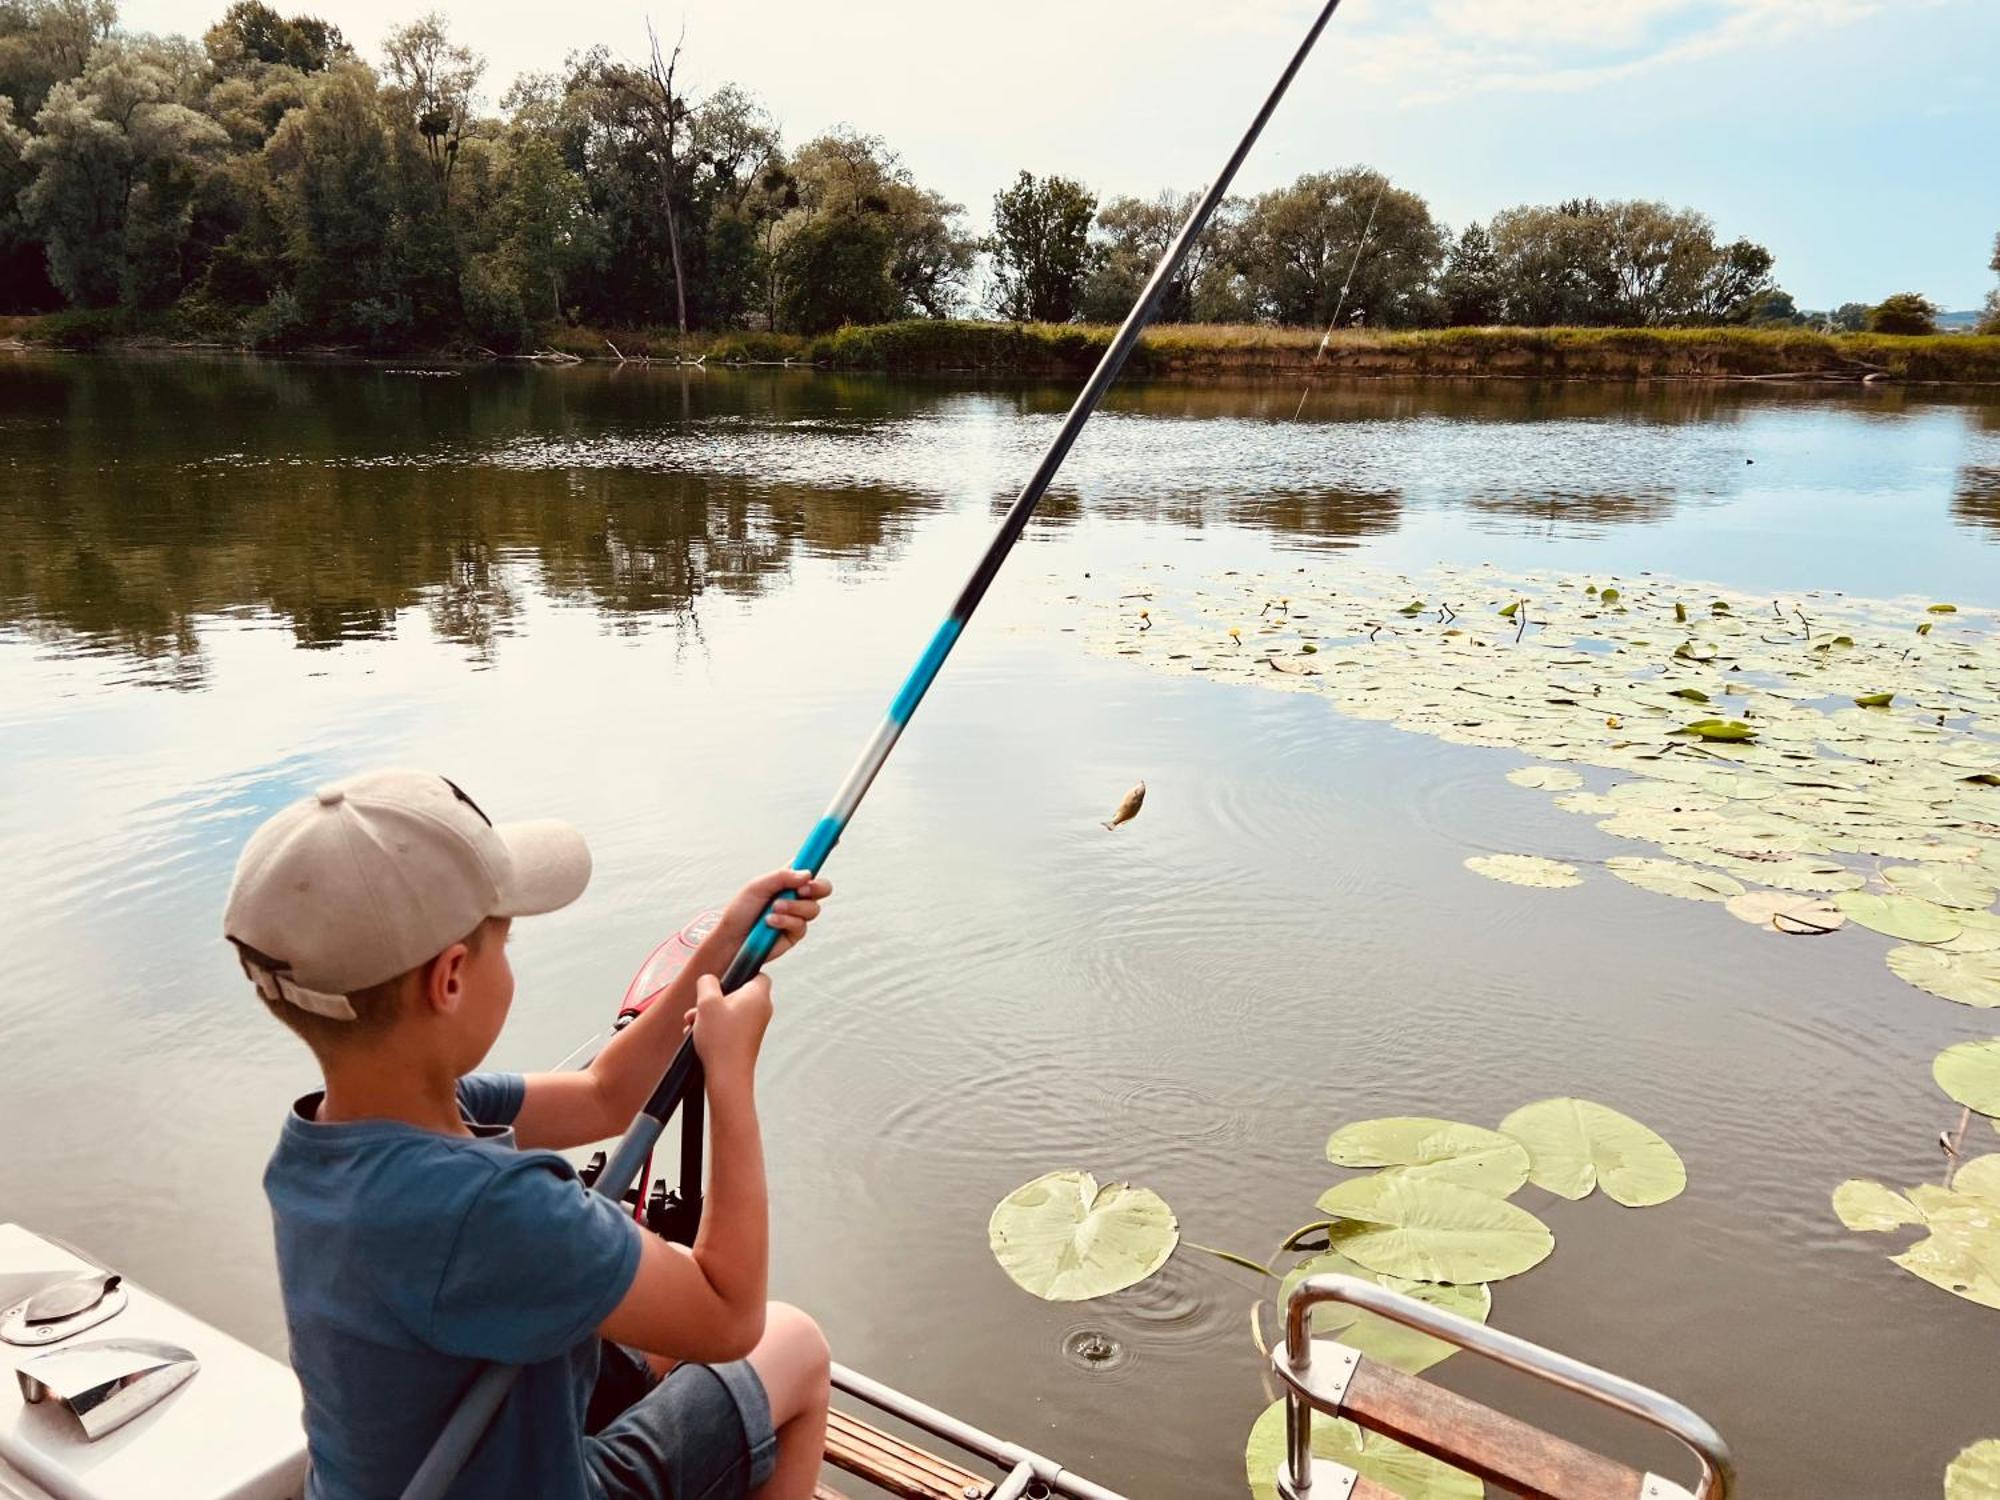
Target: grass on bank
(922,346)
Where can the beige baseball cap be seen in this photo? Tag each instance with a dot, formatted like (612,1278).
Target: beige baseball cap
(371,876)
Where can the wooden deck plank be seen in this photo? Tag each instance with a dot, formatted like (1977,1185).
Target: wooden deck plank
(1521,1459)
(901,1468)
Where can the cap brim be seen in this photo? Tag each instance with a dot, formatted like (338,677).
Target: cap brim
(551,867)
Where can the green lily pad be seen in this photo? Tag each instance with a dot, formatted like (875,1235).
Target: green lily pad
(1907,917)
(1433,1231)
(1693,695)
(1419,1146)
(1979,1177)
(1967,889)
(1975,1473)
(1065,1239)
(1970,1074)
(1980,934)
(1668,877)
(1575,1145)
(1871,1207)
(1874,700)
(1524,869)
(1546,778)
(1962,1254)
(1719,731)
(1377,1337)
(1413,1475)
(1965,978)
(1591,804)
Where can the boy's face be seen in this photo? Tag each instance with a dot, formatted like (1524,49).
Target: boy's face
(487,982)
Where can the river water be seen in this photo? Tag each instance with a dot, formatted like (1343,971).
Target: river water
(670,606)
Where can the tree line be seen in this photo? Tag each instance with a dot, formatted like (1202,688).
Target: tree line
(268,181)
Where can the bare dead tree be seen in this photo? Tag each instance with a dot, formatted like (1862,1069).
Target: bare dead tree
(667,113)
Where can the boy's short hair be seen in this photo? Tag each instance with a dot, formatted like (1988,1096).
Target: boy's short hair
(342,893)
(375,1008)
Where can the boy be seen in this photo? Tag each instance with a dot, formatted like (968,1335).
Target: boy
(424,1222)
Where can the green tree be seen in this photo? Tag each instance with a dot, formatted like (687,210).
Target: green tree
(848,174)
(337,184)
(1469,288)
(1905,312)
(432,83)
(1849,317)
(547,230)
(1305,244)
(43,42)
(1989,320)
(1637,263)
(1041,249)
(1135,234)
(116,159)
(836,270)
(250,32)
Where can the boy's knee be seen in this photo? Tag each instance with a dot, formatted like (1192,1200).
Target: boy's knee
(802,1336)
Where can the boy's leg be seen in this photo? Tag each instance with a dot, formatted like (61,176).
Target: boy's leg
(708,1432)
(793,1362)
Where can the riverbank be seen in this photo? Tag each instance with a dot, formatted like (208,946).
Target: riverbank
(924,347)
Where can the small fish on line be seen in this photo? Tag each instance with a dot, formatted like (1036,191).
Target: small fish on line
(1129,808)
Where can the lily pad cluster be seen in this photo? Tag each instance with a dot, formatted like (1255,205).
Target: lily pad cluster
(1961,1249)
(1434,1221)
(1841,751)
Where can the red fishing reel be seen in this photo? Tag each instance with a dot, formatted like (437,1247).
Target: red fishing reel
(663,966)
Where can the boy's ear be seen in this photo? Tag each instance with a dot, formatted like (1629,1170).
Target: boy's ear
(444,980)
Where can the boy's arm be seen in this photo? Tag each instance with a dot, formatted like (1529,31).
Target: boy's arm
(561,1110)
(707,1303)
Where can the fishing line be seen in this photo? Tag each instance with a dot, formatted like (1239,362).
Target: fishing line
(680,1089)
(1341,302)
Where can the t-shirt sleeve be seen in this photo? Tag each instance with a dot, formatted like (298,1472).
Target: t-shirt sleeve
(491,1098)
(538,1262)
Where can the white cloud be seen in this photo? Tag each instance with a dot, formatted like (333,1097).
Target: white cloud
(1455,47)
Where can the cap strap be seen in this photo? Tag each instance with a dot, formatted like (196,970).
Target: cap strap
(273,979)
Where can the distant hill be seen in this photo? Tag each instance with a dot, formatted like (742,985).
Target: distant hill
(1963,322)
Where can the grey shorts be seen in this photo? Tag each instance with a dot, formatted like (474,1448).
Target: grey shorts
(702,1433)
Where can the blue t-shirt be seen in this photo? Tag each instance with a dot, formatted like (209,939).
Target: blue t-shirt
(408,1258)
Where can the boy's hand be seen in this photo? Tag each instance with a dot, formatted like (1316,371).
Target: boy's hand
(728,1029)
(789,916)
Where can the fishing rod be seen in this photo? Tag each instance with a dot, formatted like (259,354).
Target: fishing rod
(682,1082)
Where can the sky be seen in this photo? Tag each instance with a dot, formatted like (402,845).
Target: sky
(1855,138)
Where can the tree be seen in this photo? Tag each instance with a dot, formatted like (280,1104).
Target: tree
(836,271)
(333,162)
(250,32)
(1989,320)
(1136,233)
(1041,248)
(1335,233)
(116,159)
(1469,289)
(1905,312)
(547,231)
(43,42)
(433,82)
(847,174)
(1849,317)
(1637,263)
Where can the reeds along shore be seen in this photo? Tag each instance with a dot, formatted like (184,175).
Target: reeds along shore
(923,346)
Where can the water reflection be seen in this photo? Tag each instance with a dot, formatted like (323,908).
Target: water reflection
(1977,502)
(144,495)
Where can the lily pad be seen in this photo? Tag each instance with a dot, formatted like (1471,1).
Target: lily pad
(1962,1254)
(1433,1231)
(1380,1338)
(1975,1473)
(1719,731)
(1965,978)
(1910,918)
(1065,1239)
(1525,869)
(1546,778)
(1871,1207)
(1874,700)
(1668,877)
(1966,889)
(1782,911)
(1413,1475)
(1970,1074)
(1419,1146)
(1575,1145)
